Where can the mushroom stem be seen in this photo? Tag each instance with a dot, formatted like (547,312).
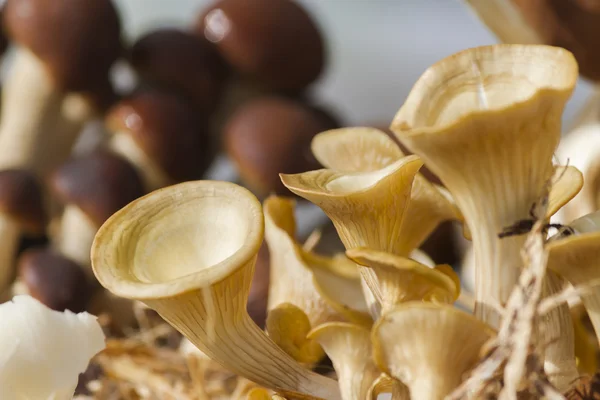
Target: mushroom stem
(151,174)
(31,111)
(560,363)
(76,236)
(9,241)
(217,339)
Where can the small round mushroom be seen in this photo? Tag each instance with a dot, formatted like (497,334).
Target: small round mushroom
(21,211)
(64,52)
(181,61)
(273,41)
(54,280)
(271,135)
(92,187)
(162,136)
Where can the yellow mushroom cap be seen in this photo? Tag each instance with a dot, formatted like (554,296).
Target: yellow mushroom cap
(357,149)
(349,348)
(428,346)
(401,279)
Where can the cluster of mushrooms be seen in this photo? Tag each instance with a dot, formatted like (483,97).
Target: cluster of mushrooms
(487,121)
(102,208)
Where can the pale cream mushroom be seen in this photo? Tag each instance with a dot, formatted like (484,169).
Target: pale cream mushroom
(402,279)
(428,347)
(487,122)
(188,252)
(350,350)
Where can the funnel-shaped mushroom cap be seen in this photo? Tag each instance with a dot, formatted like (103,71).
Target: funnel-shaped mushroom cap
(357,149)
(428,347)
(366,208)
(401,279)
(351,150)
(349,348)
(188,251)
(487,121)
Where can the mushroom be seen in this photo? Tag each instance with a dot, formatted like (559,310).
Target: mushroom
(92,187)
(401,279)
(288,326)
(188,251)
(349,348)
(360,149)
(274,42)
(428,347)
(162,136)
(42,352)
(270,135)
(183,62)
(64,52)
(21,211)
(54,280)
(572,24)
(386,384)
(576,258)
(299,278)
(586,346)
(502,110)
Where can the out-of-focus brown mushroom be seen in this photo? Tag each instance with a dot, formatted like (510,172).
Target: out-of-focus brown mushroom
(59,75)
(162,136)
(92,187)
(272,135)
(21,211)
(183,62)
(273,41)
(54,280)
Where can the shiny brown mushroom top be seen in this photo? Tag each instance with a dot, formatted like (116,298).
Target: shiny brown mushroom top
(274,41)
(21,199)
(181,61)
(77,40)
(100,184)
(167,129)
(54,280)
(272,135)
(572,24)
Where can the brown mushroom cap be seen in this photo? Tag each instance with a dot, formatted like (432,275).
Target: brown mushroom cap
(54,280)
(183,62)
(21,199)
(100,184)
(168,131)
(272,135)
(274,41)
(77,40)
